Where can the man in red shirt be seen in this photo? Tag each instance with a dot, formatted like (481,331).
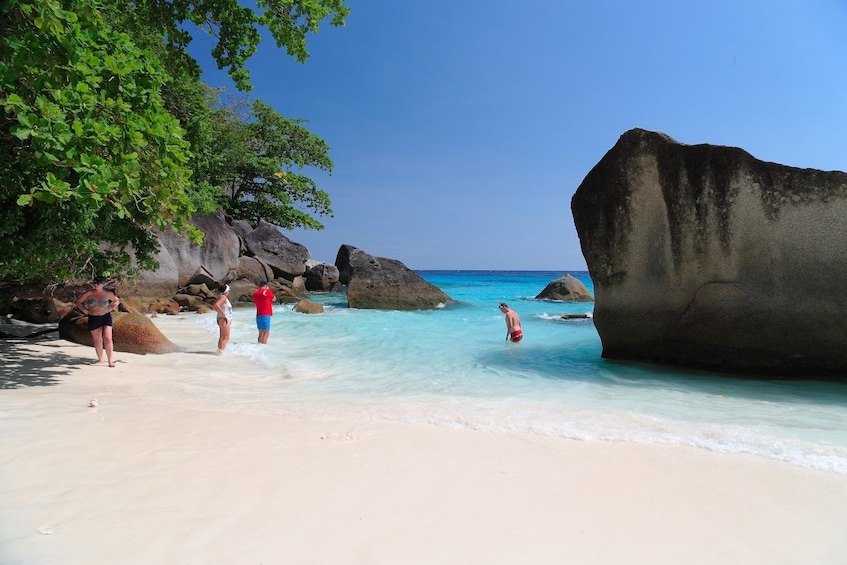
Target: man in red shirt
(263,299)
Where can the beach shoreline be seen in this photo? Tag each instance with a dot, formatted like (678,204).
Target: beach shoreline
(137,480)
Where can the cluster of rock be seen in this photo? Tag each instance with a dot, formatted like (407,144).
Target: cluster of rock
(190,278)
(706,257)
(232,253)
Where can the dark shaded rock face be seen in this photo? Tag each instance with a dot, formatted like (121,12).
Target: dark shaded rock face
(285,257)
(384,284)
(131,333)
(566,289)
(40,310)
(706,257)
(322,278)
(289,292)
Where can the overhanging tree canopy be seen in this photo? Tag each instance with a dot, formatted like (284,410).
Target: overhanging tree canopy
(95,126)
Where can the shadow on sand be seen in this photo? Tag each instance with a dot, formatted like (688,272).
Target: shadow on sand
(23,367)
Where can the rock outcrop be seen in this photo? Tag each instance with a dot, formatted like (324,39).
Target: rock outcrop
(384,284)
(182,262)
(286,258)
(704,256)
(131,333)
(566,289)
(234,253)
(322,277)
(253,269)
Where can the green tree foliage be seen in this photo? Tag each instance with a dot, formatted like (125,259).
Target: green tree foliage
(88,152)
(99,105)
(254,157)
(236,27)
(184,94)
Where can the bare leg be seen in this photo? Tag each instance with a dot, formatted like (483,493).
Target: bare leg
(223,324)
(97,338)
(263,336)
(107,343)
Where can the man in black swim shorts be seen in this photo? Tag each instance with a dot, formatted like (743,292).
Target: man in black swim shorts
(95,322)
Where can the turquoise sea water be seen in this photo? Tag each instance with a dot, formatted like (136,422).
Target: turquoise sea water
(453,367)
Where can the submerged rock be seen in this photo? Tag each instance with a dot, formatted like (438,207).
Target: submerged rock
(566,289)
(308,307)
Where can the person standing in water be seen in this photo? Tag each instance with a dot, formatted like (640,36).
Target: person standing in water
(263,298)
(98,304)
(513,324)
(224,309)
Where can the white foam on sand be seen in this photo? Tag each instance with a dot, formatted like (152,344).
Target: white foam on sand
(139,478)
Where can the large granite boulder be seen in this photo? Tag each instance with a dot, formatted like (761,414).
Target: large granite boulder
(131,333)
(566,289)
(322,277)
(253,269)
(152,285)
(286,258)
(704,256)
(242,229)
(182,262)
(384,284)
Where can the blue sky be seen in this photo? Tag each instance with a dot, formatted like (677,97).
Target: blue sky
(460,129)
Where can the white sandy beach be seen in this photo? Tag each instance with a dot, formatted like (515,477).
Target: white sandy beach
(137,480)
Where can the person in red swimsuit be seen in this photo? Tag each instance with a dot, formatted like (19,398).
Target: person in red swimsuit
(514,333)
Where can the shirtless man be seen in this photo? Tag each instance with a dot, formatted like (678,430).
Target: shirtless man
(98,304)
(513,324)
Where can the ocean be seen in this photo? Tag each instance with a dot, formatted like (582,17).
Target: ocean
(453,367)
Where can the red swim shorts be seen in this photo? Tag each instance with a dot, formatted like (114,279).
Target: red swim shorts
(517,335)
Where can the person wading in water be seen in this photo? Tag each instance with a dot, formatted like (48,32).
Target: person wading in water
(513,324)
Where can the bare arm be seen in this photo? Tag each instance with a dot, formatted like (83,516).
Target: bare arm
(80,300)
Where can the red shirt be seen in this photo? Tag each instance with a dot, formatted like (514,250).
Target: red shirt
(263,298)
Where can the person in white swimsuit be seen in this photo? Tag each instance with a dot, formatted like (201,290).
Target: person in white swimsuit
(224,309)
